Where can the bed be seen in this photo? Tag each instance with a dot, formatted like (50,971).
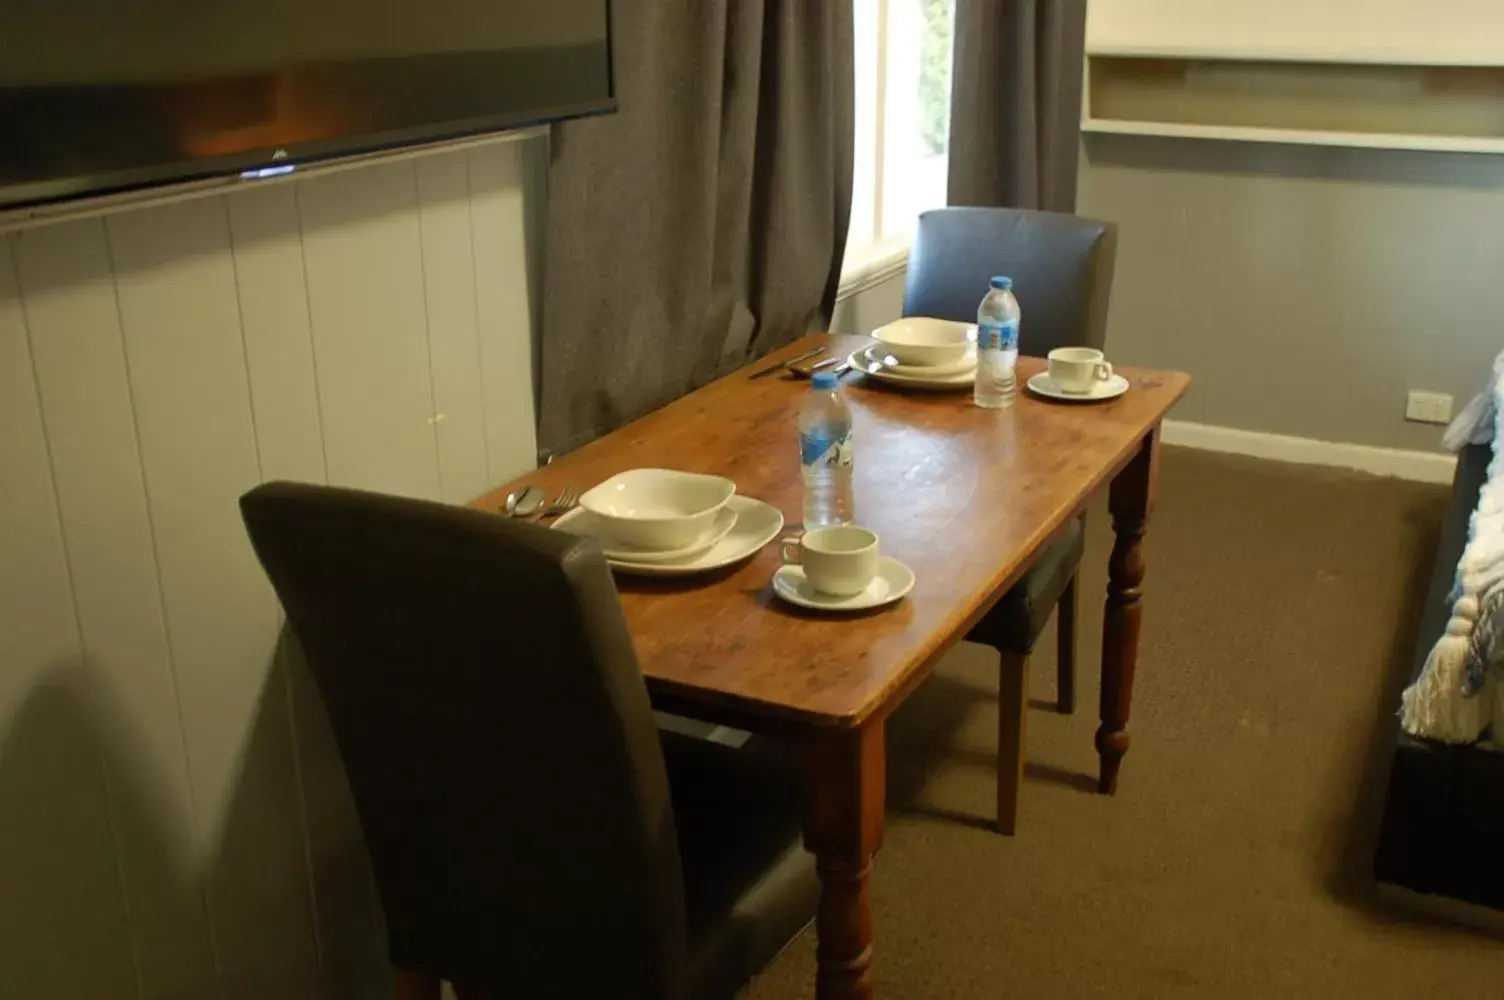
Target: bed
(1444,815)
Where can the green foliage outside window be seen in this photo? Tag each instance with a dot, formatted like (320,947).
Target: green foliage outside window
(934,74)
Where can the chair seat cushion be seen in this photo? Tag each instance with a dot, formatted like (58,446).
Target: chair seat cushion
(749,885)
(1014,622)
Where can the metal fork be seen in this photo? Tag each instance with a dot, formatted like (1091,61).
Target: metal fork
(566,501)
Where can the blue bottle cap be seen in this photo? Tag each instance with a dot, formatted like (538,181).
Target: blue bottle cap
(1002,284)
(823,380)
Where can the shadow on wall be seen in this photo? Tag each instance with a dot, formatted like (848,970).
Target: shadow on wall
(79,835)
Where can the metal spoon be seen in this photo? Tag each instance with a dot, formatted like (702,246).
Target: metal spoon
(524,502)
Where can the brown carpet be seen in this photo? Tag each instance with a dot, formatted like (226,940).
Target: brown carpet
(1234,861)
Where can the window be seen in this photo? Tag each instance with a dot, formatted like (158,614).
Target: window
(903,66)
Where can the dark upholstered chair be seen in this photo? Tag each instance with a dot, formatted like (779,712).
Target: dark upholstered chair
(1061,266)
(531,831)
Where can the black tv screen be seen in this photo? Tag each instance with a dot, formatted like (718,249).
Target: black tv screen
(106,95)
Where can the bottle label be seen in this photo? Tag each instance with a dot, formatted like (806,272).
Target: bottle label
(818,451)
(998,336)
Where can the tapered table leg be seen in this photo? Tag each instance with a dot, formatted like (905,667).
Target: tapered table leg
(1130,501)
(845,788)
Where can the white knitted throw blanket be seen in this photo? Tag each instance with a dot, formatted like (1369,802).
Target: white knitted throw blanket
(1453,699)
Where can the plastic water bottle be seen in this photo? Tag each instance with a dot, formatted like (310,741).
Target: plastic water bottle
(998,318)
(825,454)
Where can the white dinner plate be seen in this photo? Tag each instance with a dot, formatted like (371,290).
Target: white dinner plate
(892,582)
(757,524)
(1108,388)
(867,366)
(725,521)
(876,353)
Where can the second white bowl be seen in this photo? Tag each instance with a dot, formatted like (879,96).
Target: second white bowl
(926,342)
(658,508)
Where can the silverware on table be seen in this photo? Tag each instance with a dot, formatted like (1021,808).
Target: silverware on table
(524,502)
(567,501)
(870,364)
(807,371)
(785,364)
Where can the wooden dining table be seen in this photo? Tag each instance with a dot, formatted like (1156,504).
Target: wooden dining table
(965,496)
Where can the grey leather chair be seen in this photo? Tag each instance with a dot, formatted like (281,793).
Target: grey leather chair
(531,831)
(1061,266)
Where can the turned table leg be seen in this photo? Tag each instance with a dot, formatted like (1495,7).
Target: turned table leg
(845,788)
(1130,501)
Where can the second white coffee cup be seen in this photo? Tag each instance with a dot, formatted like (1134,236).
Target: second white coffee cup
(839,560)
(1078,369)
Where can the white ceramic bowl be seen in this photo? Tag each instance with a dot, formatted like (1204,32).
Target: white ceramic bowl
(925,342)
(658,508)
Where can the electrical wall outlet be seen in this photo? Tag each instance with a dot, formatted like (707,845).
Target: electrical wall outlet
(1428,407)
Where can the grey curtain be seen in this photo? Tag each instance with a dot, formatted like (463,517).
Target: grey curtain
(1015,110)
(703,224)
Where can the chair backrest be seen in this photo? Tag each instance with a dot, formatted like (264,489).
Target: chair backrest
(496,731)
(1061,266)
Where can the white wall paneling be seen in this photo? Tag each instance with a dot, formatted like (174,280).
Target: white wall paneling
(364,261)
(128,687)
(498,221)
(459,418)
(68,899)
(273,297)
(176,291)
(174,822)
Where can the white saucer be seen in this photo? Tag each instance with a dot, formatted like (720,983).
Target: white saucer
(963,379)
(725,520)
(875,355)
(1109,388)
(756,525)
(892,582)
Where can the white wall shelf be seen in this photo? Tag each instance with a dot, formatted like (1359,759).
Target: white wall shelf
(1297,137)
(1385,32)
(1376,74)
(1254,51)
(1439,108)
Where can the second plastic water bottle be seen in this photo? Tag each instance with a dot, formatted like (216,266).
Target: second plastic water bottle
(825,454)
(998,319)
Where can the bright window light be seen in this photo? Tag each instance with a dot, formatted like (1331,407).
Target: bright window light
(903,72)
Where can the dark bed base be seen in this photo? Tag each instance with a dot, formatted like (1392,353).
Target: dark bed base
(1443,826)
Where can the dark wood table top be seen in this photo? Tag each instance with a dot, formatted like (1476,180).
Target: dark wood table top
(963,495)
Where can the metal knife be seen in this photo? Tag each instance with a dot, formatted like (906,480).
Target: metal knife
(784,364)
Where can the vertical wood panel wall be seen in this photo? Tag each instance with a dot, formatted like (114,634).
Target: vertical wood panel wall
(174,822)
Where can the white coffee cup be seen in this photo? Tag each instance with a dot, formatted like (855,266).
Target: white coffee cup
(1078,369)
(839,560)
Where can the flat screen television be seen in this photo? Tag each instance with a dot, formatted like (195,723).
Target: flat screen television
(101,96)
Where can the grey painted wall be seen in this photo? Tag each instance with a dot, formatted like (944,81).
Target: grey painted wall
(1305,288)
